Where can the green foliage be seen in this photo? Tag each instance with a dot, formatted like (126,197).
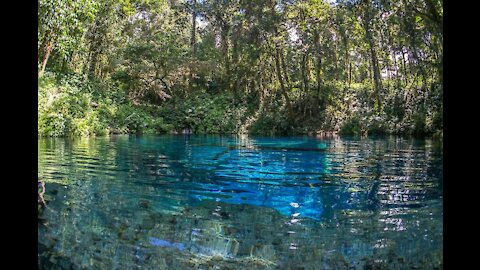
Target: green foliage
(70,106)
(203,114)
(352,126)
(272,123)
(130,120)
(419,123)
(54,124)
(63,22)
(272,67)
(90,125)
(60,105)
(158,126)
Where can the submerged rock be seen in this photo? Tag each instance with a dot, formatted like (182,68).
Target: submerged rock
(148,222)
(144,203)
(217,258)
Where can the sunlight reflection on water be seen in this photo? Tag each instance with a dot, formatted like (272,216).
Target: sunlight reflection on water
(184,202)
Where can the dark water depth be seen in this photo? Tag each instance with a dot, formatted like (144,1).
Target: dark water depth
(211,202)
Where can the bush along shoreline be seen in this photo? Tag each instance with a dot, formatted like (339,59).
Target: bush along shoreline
(72,106)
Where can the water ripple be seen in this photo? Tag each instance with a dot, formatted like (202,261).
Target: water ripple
(240,198)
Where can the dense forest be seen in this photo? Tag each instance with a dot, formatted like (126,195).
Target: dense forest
(271,67)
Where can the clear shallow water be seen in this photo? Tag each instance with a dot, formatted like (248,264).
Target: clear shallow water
(211,202)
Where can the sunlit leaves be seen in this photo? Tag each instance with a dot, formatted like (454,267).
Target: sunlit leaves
(356,49)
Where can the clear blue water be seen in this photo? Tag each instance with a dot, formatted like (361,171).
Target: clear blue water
(212,202)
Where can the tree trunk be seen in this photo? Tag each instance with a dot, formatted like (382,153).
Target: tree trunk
(282,85)
(373,54)
(224,35)
(318,77)
(304,63)
(395,64)
(193,44)
(92,69)
(347,61)
(304,72)
(284,67)
(48,50)
(194,24)
(350,74)
(318,67)
(404,64)
(376,72)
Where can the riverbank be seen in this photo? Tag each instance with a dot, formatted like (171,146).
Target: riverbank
(73,105)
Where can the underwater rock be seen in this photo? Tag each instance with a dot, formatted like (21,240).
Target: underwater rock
(224,215)
(45,263)
(96,237)
(148,222)
(144,203)
(42,248)
(375,265)
(42,222)
(277,241)
(243,250)
(172,221)
(217,258)
(57,262)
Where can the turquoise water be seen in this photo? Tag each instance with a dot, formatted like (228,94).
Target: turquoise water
(211,202)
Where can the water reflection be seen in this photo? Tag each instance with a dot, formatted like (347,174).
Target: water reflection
(193,202)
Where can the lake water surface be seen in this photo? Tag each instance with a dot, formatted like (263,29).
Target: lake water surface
(213,202)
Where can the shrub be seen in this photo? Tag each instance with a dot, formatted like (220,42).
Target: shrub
(352,126)
(158,126)
(419,123)
(90,125)
(135,122)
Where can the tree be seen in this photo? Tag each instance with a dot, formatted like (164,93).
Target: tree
(61,25)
